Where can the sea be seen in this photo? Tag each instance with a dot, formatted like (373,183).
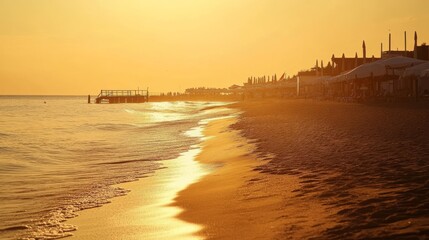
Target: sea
(60,155)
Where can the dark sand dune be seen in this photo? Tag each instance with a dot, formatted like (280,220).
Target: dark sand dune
(368,165)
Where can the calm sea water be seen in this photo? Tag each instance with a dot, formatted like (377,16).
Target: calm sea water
(62,156)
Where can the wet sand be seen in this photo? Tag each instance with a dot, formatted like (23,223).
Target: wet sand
(235,201)
(146,212)
(366,165)
(224,198)
(294,169)
(226,202)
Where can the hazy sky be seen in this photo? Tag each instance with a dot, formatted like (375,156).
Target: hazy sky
(82,46)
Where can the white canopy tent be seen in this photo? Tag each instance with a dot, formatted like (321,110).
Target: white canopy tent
(377,68)
(421,70)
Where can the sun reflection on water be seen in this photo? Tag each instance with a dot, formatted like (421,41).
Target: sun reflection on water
(160,216)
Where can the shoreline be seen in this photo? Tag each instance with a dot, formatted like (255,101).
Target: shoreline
(149,210)
(228,199)
(296,170)
(146,211)
(218,200)
(365,166)
(236,201)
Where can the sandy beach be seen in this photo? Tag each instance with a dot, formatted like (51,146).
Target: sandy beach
(366,165)
(205,119)
(146,211)
(227,202)
(224,200)
(294,169)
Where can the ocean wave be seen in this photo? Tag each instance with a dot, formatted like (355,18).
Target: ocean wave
(125,161)
(114,126)
(7,167)
(4,149)
(108,126)
(3,135)
(52,225)
(13,228)
(70,163)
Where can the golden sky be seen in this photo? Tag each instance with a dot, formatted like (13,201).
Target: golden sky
(82,46)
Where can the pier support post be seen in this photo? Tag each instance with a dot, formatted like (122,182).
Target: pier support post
(147,95)
(89,98)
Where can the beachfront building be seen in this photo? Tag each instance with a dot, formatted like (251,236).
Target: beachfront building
(420,52)
(353,78)
(397,53)
(380,77)
(343,63)
(414,81)
(315,82)
(269,87)
(232,93)
(203,91)
(310,83)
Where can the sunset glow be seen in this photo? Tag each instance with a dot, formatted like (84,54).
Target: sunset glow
(80,47)
(214,119)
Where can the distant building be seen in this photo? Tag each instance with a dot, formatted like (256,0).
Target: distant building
(347,77)
(397,53)
(420,52)
(338,65)
(344,64)
(206,91)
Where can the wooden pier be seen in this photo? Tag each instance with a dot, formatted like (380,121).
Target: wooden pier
(122,96)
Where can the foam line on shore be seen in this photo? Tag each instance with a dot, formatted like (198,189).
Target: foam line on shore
(148,211)
(219,201)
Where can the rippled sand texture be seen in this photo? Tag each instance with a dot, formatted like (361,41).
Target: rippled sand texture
(363,168)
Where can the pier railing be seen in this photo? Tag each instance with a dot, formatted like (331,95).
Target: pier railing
(122,96)
(122,93)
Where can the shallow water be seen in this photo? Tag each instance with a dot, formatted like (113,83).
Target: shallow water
(63,156)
